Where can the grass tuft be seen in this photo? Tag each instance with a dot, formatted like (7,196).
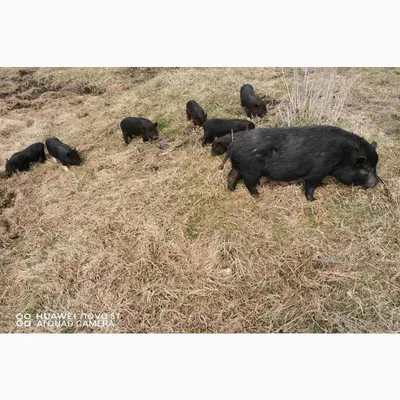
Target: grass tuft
(315,95)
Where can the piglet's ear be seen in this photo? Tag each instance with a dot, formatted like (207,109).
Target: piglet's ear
(155,124)
(361,160)
(374,145)
(6,160)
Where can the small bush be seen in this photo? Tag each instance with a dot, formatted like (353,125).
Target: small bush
(315,95)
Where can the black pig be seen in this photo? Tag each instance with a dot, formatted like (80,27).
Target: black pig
(251,102)
(21,161)
(62,152)
(217,127)
(307,154)
(136,126)
(220,145)
(195,113)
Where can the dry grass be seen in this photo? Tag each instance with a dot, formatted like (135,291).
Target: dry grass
(316,95)
(171,249)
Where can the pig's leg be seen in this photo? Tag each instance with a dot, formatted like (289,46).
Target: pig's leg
(207,138)
(145,136)
(224,162)
(310,185)
(251,184)
(127,139)
(233,178)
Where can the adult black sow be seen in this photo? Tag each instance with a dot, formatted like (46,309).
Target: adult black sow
(306,154)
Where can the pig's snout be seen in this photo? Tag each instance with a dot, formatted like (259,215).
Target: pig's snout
(371,181)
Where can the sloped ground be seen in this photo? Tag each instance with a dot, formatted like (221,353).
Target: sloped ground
(155,236)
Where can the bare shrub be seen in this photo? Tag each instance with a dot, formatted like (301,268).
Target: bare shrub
(315,95)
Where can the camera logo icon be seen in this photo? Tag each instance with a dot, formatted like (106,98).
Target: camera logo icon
(24,320)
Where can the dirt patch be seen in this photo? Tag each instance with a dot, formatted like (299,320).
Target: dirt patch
(4,226)
(7,199)
(14,104)
(24,87)
(390,122)
(27,71)
(140,74)
(9,129)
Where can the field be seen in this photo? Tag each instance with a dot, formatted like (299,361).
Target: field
(154,235)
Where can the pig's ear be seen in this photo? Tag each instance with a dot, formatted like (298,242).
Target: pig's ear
(6,160)
(155,124)
(361,160)
(374,145)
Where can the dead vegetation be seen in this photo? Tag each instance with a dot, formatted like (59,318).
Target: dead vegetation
(153,234)
(315,95)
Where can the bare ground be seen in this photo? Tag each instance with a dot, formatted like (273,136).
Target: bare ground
(154,234)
